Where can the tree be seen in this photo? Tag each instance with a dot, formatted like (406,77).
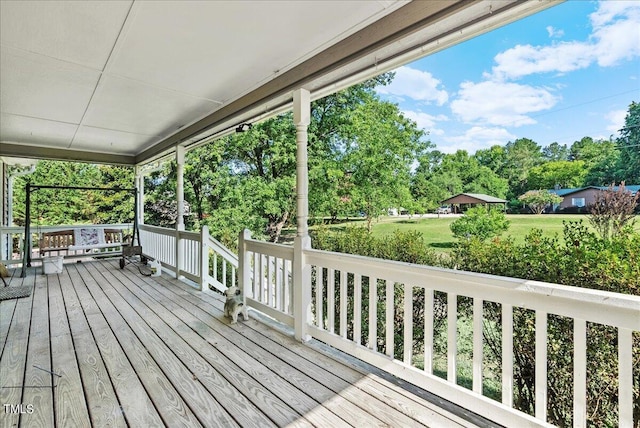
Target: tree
(443,175)
(480,222)
(538,200)
(613,211)
(557,174)
(378,154)
(629,146)
(493,158)
(600,159)
(520,156)
(556,152)
(264,159)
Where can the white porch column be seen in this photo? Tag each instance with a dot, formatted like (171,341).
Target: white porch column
(180,187)
(180,209)
(139,184)
(301,270)
(302,118)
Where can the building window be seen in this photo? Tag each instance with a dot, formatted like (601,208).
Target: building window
(578,202)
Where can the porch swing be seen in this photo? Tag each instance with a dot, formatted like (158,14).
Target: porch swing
(91,237)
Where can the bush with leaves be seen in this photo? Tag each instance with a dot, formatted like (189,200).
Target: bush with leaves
(407,247)
(580,258)
(613,211)
(481,223)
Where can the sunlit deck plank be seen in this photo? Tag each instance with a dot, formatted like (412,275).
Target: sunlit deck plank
(232,367)
(292,371)
(158,352)
(383,400)
(230,351)
(161,393)
(206,388)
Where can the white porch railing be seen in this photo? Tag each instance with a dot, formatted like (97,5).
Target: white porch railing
(185,253)
(335,313)
(339,282)
(12,239)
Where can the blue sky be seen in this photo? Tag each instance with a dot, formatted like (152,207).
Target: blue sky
(565,73)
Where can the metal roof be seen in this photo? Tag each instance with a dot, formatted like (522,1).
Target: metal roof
(479,197)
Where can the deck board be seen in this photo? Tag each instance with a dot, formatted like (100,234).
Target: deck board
(141,351)
(38,366)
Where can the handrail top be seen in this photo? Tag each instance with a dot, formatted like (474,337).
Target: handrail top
(56,228)
(579,294)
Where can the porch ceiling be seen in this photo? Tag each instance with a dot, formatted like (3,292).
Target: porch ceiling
(126,81)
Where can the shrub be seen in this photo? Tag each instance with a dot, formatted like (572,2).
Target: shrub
(481,223)
(613,211)
(582,259)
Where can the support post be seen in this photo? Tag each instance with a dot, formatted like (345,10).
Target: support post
(301,119)
(301,270)
(244,266)
(204,258)
(180,208)
(139,184)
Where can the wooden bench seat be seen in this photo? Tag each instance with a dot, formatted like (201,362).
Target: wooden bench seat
(83,239)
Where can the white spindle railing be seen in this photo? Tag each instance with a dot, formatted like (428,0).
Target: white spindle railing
(223,265)
(12,238)
(193,251)
(268,283)
(343,279)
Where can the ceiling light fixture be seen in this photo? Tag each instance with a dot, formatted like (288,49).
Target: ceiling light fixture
(244,127)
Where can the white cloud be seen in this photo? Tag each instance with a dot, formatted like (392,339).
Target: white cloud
(417,85)
(476,138)
(614,39)
(500,103)
(426,121)
(616,120)
(554,32)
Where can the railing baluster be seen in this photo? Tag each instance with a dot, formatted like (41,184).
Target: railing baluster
(625,377)
(288,287)
(541,365)
(256,276)
(452,336)
(331,297)
(373,313)
(319,297)
(357,308)
(224,272)
(507,355)
(477,344)
(579,373)
(389,296)
(343,303)
(428,330)
(408,324)
(264,278)
(270,288)
(278,283)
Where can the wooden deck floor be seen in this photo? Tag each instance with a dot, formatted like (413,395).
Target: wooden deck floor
(99,346)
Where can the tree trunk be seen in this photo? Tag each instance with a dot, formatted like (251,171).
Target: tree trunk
(274,228)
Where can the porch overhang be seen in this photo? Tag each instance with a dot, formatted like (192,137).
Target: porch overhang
(114,82)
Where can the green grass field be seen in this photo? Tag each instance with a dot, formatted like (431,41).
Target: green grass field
(437,233)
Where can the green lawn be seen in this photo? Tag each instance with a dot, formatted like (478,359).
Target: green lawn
(437,234)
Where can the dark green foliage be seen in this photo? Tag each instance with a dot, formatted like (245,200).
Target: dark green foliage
(582,259)
(66,206)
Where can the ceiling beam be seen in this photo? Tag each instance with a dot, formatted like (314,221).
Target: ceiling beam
(34,152)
